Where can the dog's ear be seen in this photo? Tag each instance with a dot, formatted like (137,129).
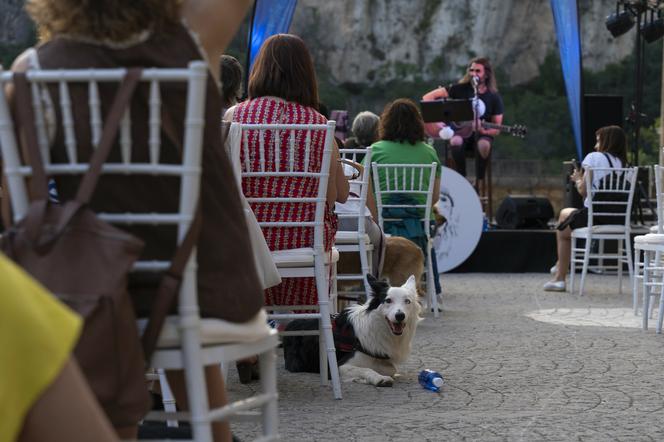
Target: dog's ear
(379,289)
(410,284)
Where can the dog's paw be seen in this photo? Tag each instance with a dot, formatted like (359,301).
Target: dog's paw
(384,381)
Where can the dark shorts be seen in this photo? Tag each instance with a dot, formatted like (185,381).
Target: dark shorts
(576,220)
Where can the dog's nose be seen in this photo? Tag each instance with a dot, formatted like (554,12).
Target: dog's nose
(400,316)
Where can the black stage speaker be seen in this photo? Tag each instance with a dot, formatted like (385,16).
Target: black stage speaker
(599,111)
(524,212)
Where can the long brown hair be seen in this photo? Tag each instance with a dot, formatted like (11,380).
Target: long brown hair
(612,139)
(284,68)
(401,121)
(109,20)
(489,78)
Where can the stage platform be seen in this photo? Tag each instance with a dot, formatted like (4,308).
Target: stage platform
(519,251)
(512,251)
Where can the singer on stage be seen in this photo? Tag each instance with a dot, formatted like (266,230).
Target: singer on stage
(479,79)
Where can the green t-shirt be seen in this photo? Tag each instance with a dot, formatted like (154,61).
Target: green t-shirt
(391,152)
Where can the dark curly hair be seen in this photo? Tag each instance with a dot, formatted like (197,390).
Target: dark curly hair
(111,20)
(402,122)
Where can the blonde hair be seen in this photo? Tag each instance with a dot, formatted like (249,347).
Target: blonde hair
(108,20)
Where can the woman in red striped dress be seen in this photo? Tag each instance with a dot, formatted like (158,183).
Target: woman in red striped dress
(283,90)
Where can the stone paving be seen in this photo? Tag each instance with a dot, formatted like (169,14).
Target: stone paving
(520,364)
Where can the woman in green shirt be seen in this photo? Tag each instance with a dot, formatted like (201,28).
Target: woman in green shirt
(402,142)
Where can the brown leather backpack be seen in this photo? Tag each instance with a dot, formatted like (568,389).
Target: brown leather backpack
(85,262)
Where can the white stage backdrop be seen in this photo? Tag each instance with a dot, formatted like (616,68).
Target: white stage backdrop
(459,204)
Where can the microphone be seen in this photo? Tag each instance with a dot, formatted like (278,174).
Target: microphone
(475,81)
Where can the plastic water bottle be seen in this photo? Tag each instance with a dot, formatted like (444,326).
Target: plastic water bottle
(431,380)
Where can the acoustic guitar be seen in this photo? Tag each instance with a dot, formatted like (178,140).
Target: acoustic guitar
(465,128)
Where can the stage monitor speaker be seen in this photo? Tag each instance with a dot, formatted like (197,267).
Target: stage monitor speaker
(599,111)
(524,212)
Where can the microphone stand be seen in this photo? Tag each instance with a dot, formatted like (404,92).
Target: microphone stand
(476,133)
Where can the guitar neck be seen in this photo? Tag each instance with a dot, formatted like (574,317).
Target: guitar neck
(500,127)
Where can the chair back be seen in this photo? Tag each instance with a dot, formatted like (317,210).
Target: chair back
(611,196)
(404,186)
(355,205)
(90,81)
(279,154)
(659,170)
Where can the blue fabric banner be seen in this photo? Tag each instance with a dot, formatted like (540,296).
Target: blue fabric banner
(566,20)
(270,17)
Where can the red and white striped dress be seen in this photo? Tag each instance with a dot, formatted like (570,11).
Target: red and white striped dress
(272,110)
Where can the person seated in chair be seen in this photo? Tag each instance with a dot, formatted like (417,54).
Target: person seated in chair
(402,135)
(78,34)
(283,89)
(610,152)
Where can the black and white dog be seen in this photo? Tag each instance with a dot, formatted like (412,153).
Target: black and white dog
(371,339)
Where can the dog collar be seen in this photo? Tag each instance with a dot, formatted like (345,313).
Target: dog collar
(345,338)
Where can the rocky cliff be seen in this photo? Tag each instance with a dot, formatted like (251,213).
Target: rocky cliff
(371,41)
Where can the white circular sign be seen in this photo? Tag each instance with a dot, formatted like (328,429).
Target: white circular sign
(459,204)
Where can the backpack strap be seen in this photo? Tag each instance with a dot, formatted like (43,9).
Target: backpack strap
(170,285)
(606,155)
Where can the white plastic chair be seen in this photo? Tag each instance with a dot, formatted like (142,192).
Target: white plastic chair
(187,341)
(409,180)
(651,247)
(356,241)
(302,262)
(614,201)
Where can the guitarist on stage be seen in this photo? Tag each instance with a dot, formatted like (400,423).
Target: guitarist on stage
(480,78)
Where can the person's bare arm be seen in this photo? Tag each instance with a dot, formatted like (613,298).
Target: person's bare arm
(215,22)
(435,195)
(436,94)
(371,202)
(579,178)
(337,185)
(496,119)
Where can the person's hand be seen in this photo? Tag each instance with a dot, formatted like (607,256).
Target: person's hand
(353,171)
(576,176)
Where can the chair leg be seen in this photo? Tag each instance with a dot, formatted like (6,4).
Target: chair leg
(365,264)
(327,341)
(334,293)
(167,397)
(646,291)
(322,353)
(268,370)
(586,262)
(331,354)
(194,374)
(635,285)
(660,313)
(431,287)
(572,264)
(630,263)
(657,263)
(619,263)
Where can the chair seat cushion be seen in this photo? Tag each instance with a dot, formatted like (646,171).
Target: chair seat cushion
(302,257)
(604,228)
(214,331)
(650,238)
(349,237)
